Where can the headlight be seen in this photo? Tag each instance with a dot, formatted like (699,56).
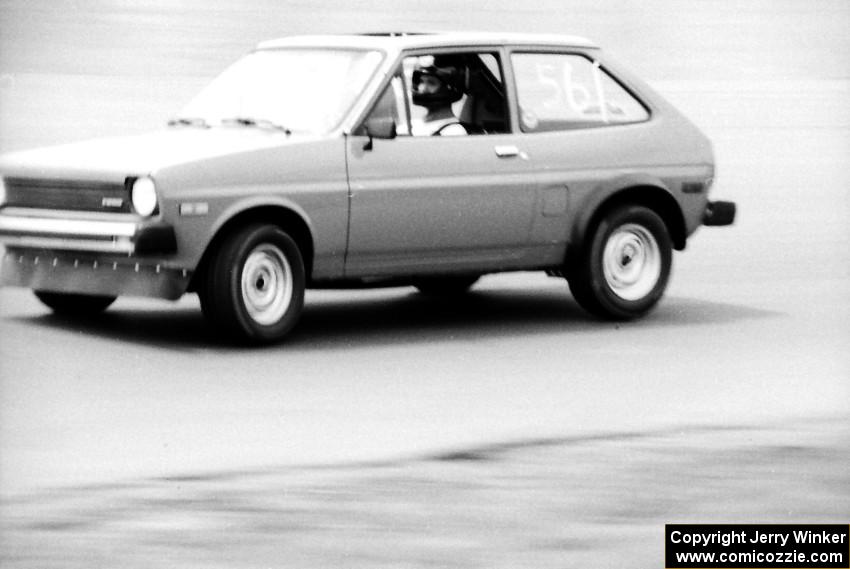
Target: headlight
(143,195)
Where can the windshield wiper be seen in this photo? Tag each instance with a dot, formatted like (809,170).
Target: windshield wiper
(261,123)
(188,121)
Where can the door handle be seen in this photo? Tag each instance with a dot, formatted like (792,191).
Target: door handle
(509,151)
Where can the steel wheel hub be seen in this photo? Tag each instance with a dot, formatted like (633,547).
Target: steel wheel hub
(266,284)
(631,262)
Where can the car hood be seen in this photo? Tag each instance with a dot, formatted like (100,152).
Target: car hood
(117,158)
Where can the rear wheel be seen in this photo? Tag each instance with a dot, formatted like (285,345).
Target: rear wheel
(624,268)
(74,304)
(254,286)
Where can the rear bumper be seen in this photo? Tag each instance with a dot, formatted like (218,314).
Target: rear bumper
(111,233)
(719,213)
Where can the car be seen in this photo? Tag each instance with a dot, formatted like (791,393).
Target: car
(307,164)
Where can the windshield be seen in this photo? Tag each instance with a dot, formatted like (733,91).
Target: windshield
(306,90)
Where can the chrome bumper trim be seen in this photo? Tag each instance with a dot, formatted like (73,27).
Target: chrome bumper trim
(116,234)
(65,244)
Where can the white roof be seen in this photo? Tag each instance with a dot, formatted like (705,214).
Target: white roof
(400,41)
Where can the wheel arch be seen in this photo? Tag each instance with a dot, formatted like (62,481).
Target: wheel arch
(287,218)
(651,194)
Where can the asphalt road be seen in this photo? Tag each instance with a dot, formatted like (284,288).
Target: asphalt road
(753,330)
(572,502)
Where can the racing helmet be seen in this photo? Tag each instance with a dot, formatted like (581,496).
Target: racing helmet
(450,80)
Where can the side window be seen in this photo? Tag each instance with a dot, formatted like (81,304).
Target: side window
(454,94)
(567,91)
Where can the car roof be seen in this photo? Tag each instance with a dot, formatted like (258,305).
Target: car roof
(397,41)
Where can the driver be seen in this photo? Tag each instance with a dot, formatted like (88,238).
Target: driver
(435,87)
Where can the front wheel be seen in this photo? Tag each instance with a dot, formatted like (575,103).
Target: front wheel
(254,286)
(625,266)
(74,304)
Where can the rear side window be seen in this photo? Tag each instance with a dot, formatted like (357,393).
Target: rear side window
(568,91)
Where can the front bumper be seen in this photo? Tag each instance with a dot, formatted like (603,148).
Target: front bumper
(719,213)
(108,254)
(68,231)
(62,271)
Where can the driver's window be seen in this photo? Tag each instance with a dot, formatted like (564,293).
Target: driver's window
(450,94)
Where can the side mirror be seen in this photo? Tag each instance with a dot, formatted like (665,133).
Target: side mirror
(379,127)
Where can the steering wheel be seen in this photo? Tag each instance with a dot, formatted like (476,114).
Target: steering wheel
(469,127)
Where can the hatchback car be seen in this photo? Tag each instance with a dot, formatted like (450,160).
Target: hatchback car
(310,163)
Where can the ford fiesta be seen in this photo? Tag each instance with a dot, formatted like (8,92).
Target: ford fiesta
(353,160)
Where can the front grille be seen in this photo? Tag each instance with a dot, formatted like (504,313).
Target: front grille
(68,194)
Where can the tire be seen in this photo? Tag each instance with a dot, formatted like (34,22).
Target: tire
(253,290)
(74,304)
(624,268)
(445,286)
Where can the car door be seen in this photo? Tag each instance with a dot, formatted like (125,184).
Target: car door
(430,204)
